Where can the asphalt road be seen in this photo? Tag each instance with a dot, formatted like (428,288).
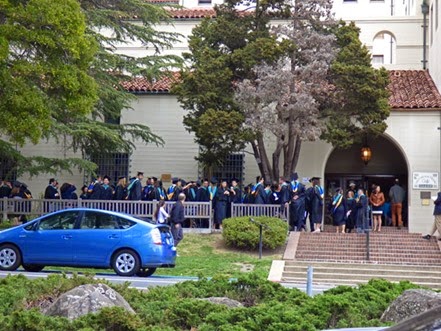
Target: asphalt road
(146,282)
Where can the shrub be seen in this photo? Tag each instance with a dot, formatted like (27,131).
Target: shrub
(240,232)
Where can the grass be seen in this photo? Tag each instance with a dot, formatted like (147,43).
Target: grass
(205,255)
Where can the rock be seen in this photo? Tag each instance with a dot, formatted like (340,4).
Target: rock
(411,303)
(86,299)
(230,303)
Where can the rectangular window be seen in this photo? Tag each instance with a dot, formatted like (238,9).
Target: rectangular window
(377,59)
(204,2)
(233,167)
(7,169)
(114,165)
(346,1)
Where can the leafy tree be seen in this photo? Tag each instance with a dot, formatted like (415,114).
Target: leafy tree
(223,51)
(283,101)
(60,72)
(359,106)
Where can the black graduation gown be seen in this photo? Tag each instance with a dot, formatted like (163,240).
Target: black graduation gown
(203,195)
(120,193)
(106,193)
(297,207)
(51,193)
(339,213)
(351,206)
(362,205)
(220,209)
(316,206)
(260,195)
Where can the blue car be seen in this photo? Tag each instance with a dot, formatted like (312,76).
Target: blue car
(88,238)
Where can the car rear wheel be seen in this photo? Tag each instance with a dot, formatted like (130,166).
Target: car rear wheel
(126,262)
(33,267)
(147,272)
(10,257)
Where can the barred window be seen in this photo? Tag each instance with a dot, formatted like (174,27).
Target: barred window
(8,170)
(114,165)
(232,167)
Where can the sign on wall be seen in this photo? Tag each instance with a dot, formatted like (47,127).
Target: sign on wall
(425,180)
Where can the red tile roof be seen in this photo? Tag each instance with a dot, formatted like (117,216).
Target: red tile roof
(142,85)
(188,13)
(410,89)
(413,89)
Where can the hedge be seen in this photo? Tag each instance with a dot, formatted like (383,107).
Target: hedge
(240,232)
(269,306)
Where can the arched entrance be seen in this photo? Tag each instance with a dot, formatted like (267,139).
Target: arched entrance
(387,163)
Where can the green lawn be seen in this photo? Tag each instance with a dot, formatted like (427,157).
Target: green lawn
(205,255)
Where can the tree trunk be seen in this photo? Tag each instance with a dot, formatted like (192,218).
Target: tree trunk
(264,158)
(257,156)
(296,155)
(276,160)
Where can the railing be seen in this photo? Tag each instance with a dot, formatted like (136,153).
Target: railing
(198,214)
(240,209)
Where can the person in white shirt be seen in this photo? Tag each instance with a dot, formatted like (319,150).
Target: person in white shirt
(160,215)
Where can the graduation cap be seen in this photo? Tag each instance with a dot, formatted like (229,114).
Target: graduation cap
(52,180)
(106,177)
(313,179)
(198,182)
(183,182)
(140,173)
(121,177)
(224,180)
(294,176)
(213,180)
(154,178)
(234,179)
(175,180)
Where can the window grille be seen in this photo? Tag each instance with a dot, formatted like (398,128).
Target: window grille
(8,170)
(114,165)
(232,167)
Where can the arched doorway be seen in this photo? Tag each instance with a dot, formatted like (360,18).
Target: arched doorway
(387,163)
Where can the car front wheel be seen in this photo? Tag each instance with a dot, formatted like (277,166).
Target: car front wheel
(146,272)
(33,267)
(10,257)
(126,263)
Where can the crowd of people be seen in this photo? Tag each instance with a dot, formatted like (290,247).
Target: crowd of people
(350,208)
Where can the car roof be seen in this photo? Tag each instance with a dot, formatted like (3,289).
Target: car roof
(127,216)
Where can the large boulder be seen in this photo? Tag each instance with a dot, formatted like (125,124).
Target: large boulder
(86,299)
(230,303)
(411,303)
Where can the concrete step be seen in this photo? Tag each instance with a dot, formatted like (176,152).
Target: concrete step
(320,275)
(352,282)
(367,265)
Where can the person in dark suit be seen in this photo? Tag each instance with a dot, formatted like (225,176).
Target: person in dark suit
(362,209)
(177,218)
(51,191)
(437,220)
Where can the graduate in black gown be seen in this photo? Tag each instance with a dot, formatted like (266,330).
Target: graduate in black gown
(316,197)
(338,209)
(362,209)
(351,213)
(203,194)
(258,191)
(222,198)
(297,206)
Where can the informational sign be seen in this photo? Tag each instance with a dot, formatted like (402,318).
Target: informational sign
(425,180)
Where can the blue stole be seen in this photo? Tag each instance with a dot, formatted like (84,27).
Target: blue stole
(254,189)
(161,193)
(294,186)
(337,202)
(212,192)
(321,191)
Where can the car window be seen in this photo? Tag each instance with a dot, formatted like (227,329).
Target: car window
(60,221)
(124,223)
(99,221)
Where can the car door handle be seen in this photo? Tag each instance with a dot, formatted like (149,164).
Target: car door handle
(67,236)
(113,236)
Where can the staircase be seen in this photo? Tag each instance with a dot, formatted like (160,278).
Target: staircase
(339,258)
